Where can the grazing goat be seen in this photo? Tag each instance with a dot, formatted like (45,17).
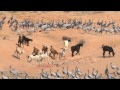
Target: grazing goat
(18,51)
(109,49)
(62,53)
(53,51)
(76,48)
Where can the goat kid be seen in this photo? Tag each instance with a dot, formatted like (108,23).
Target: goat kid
(18,51)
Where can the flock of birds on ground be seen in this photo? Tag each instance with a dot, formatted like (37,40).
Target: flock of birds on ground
(87,26)
(65,74)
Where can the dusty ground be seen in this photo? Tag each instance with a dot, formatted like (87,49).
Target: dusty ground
(91,52)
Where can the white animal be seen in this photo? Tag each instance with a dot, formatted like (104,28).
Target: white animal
(62,53)
(18,51)
(32,57)
(38,57)
(66,43)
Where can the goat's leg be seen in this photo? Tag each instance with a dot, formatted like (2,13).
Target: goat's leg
(64,57)
(54,56)
(104,54)
(113,53)
(39,63)
(78,52)
(72,53)
(109,53)
(19,56)
(27,43)
(59,56)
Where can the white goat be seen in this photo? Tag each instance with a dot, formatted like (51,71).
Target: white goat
(62,53)
(32,57)
(38,57)
(18,51)
(66,43)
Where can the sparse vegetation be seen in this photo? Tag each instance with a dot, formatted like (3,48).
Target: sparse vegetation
(82,41)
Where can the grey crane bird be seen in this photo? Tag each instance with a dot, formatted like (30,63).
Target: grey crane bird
(113,67)
(3,76)
(14,72)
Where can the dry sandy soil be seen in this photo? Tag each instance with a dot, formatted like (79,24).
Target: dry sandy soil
(91,52)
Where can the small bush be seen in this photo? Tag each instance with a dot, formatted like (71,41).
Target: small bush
(66,38)
(82,41)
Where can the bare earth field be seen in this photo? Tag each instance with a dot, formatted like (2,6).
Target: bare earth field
(90,54)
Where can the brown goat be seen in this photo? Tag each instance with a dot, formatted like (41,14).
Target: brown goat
(44,49)
(35,51)
(53,51)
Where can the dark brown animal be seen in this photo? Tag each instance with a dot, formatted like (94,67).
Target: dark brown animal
(35,51)
(109,49)
(53,51)
(76,48)
(44,49)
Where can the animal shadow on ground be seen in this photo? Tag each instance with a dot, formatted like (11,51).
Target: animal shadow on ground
(15,56)
(46,32)
(104,57)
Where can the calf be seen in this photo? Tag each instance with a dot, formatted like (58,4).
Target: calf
(109,49)
(76,48)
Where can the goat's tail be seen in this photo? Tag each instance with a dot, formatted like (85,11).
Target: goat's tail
(102,45)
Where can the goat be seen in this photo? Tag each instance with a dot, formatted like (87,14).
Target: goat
(62,53)
(32,57)
(107,48)
(18,51)
(45,49)
(76,48)
(38,57)
(20,40)
(35,51)
(26,40)
(53,51)
(23,40)
(66,43)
